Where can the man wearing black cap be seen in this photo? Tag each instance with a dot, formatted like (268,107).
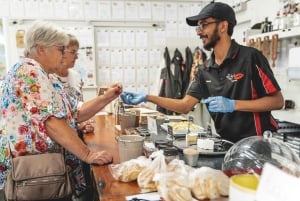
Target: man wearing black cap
(236,83)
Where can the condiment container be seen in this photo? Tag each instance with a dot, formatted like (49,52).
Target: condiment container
(190,157)
(243,187)
(170,154)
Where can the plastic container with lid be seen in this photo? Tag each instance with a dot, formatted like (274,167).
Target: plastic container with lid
(170,154)
(250,154)
(161,142)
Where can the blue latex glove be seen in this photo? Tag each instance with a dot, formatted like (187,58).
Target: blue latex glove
(133,98)
(220,104)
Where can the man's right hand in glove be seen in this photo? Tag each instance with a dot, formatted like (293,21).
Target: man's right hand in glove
(133,98)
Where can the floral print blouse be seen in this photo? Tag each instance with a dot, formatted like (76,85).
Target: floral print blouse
(28,97)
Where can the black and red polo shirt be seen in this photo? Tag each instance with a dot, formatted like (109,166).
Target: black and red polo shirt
(245,74)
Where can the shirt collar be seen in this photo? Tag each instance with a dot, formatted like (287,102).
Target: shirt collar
(231,55)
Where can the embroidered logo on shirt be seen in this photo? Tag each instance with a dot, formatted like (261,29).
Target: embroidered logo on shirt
(235,77)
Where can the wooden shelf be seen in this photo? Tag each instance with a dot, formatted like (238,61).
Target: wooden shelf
(284,33)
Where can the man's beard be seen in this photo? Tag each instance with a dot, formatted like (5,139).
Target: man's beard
(213,40)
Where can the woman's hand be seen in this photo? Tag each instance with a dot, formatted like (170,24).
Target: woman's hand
(86,127)
(114,91)
(99,158)
(117,87)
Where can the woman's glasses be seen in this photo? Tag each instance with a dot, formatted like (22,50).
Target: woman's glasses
(74,53)
(61,48)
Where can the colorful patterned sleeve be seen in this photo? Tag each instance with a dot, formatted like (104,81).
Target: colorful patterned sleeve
(38,95)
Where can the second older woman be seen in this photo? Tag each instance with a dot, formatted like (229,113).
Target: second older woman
(36,116)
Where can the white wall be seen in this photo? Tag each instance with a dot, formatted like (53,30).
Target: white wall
(256,12)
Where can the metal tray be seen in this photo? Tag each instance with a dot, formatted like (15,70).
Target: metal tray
(220,146)
(181,133)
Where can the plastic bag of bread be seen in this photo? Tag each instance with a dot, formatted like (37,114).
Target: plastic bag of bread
(209,183)
(145,179)
(179,166)
(174,186)
(129,170)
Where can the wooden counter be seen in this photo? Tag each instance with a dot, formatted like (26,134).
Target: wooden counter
(104,138)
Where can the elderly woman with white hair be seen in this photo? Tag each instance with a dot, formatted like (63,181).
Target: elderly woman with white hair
(36,116)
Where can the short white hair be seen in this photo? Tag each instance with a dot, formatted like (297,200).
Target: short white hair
(46,34)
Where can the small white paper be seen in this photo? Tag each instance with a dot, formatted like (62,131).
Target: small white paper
(4,8)
(183,30)
(118,10)
(46,9)
(171,11)
(158,11)
(103,57)
(141,38)
(128,57)
(75,10)
(31,9)
(116,38)
(61,9)
(154,57)
(129,75)
(116,74)
(103,38)
(171,29)
(277,185)
(131,10)
(183,11)
(128,38)
(17,8)
(141,57)
(104,75)
(142,75)
(144,10)
(104,10)
(116,57)
(91,10)
(159,37)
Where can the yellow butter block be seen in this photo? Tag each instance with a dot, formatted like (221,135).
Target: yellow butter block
(191,139)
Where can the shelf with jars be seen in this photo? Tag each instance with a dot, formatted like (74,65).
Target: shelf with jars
(284,33)
(269,43)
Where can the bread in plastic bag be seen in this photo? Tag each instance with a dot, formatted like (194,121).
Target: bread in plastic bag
(145,178)
(177,165)
(128,171)
(174,186)
(209,183)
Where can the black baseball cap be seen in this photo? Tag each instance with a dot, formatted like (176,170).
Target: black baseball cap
(216,10)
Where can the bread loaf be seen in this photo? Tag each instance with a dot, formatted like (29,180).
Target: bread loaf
(145,180)
(209,183)
(179,194)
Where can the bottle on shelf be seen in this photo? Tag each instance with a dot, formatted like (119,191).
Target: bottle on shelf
(276,22)
(283,21)
(290,19)
(296,20)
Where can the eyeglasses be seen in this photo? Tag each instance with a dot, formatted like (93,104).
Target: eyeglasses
(60,48)
(75,53)
(202,26)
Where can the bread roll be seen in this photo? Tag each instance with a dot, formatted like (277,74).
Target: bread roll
(145,180)
(179,194)
(209,183)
